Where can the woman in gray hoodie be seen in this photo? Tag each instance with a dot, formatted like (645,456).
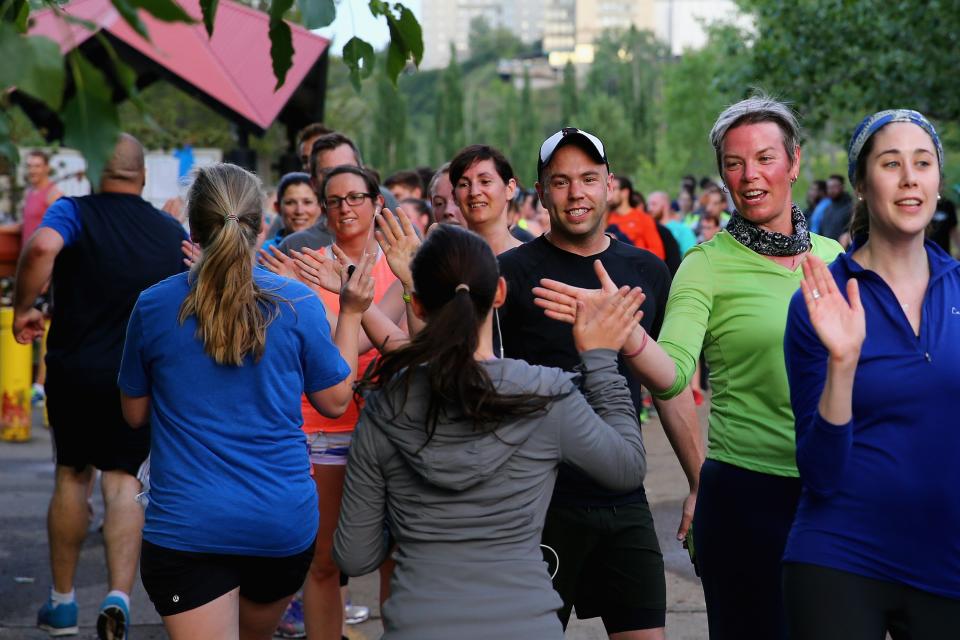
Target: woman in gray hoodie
(456,454)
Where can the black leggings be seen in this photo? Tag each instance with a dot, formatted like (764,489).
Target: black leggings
(740,528)
(827,604)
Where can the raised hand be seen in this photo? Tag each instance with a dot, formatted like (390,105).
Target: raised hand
(559,300)
(606,320)
(357,285)
(191,253)
(277,261)
(399,241)
(840,325)
(317,271)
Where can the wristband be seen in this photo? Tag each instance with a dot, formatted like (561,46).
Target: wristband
(639,350)
(406,297)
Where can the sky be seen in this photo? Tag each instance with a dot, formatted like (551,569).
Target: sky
(354,18)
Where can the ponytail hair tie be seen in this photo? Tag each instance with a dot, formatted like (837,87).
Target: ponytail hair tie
(461,287)
(231,216)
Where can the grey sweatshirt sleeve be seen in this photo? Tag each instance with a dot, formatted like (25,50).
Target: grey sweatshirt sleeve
(360,541)
(598,430)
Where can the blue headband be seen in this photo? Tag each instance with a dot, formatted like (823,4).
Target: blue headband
(871,124)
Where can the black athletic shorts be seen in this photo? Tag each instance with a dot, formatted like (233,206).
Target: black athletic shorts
(88,426)
(179,581)
(610,565)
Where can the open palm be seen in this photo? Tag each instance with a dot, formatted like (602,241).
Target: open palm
(840,325)
(399,242)
(559,299)
(318,271)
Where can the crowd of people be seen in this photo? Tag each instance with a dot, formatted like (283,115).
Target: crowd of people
(442,376)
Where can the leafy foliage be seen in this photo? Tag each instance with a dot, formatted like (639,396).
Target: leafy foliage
(281,41)
(90,117)
(317,13)
(32,64)
(450,117)
(848,58)
(35,66)
(406,38)
(360,57)
(569,93)
(209,10)
(489,44)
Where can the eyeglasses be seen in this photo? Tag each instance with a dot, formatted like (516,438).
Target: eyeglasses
(353,199)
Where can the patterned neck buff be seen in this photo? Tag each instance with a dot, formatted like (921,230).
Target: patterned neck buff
(771,243)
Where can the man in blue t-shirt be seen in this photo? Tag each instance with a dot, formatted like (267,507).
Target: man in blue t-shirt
(100,251)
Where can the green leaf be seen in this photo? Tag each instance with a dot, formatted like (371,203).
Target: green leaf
(90,119)
(80,22)
(125,76)
(317,13)
(165,10)
(23,17)
(406,40)
(281,41)
(411,33)
(45,75)
(209,9)
(355,52)
(281,51)
(396,60)
(32,64)
(129,12)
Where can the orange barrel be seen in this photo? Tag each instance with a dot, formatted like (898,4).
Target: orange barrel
(16,367)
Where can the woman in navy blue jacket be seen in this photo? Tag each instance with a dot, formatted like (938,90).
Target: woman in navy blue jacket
(875,387)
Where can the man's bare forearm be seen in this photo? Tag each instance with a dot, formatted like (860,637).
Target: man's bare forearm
(678,416)
(34,270)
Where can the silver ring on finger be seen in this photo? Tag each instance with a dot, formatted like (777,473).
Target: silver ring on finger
(816,294)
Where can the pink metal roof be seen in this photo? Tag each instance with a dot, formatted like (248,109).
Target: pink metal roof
(233,67)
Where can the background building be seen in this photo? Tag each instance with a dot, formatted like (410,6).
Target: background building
(568,28)
(448,21)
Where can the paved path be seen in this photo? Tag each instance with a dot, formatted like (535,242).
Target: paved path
(26,480)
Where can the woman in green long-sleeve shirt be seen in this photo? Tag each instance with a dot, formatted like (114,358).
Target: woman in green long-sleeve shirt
(730,299)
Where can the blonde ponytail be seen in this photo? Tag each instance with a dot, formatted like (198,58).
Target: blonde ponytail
(224,206)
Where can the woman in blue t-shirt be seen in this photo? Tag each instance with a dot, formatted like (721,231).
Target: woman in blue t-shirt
(875,388)
(216,361)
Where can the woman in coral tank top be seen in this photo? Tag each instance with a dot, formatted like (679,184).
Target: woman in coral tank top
(351,199)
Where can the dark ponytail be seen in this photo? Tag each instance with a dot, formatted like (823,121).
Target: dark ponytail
(455,275)
(860,220)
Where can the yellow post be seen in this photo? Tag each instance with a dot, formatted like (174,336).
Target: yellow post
(16,367)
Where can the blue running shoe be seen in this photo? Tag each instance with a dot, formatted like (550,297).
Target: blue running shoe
(113,620)
(59,620)
(291,624)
